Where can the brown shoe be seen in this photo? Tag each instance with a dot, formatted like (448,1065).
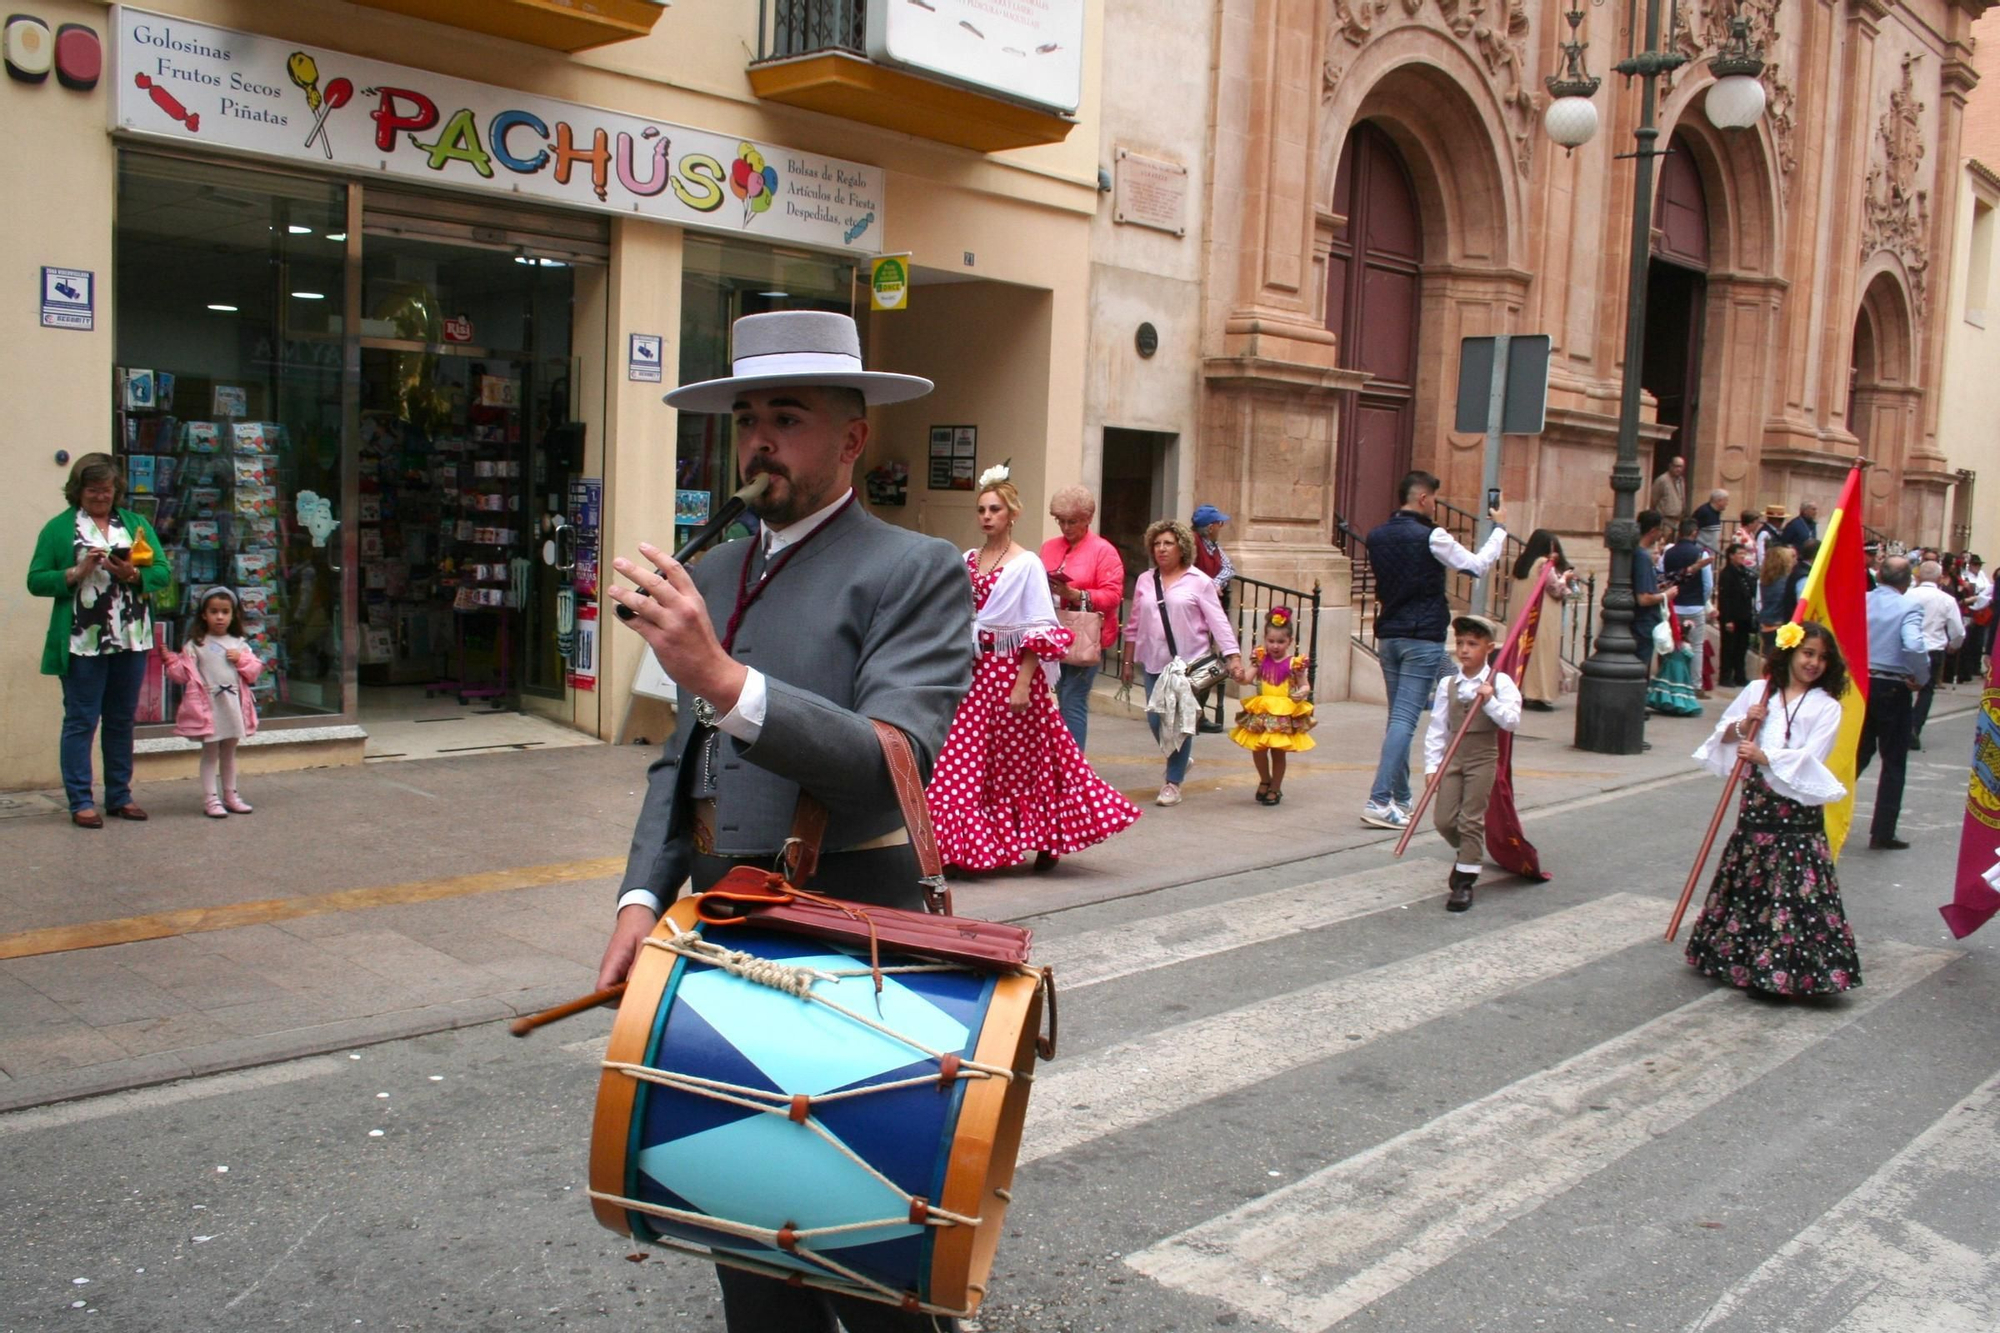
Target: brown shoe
(1460,898)
(131,812)
(86,818)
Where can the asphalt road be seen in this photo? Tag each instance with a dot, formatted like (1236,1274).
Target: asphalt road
(1302,1099)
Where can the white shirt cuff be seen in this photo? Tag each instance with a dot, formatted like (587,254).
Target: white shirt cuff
(745,722)
(645,897)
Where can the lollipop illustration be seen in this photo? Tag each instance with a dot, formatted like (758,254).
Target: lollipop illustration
(750,180)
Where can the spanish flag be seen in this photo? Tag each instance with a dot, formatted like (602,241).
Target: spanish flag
(1835,594)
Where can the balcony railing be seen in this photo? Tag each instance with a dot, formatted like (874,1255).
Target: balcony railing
(800,27)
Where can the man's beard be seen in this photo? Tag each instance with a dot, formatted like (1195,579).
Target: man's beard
(780,513)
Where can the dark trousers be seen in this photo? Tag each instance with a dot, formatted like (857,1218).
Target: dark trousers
(101,698)
(1735,651)
(1887,728)
(1920,711)
(752,1303)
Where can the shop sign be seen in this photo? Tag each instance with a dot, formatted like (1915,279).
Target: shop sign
(642,363)
(889,283)
(457,329)
(1026,49)
(198,85)
(68,298)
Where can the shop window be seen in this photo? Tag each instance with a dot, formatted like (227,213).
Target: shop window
(722,281)
(228,407)
(466,400)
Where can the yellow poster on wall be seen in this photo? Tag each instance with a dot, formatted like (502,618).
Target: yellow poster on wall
(889,283)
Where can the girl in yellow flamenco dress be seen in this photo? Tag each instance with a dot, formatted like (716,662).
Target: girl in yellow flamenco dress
(1274,721)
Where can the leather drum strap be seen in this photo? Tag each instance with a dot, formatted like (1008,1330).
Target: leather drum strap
(809,822)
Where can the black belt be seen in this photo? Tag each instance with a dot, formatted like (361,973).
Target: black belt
(1907,682)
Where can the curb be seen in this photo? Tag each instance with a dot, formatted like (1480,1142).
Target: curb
(297,1043)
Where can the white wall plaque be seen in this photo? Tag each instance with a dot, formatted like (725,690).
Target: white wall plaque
(1150,192)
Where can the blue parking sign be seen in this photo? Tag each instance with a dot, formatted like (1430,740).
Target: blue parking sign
(68,296)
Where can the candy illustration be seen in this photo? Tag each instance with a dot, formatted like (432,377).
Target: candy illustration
(168,103)
(305,73)
(750,180)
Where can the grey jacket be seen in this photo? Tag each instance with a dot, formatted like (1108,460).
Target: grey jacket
(866,621)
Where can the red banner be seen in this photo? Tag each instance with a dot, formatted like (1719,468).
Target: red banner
(1976,896)
(1506,844)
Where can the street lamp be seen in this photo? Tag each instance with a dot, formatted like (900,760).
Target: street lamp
(1611,699)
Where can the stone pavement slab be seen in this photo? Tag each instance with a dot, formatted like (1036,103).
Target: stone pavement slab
(304,978)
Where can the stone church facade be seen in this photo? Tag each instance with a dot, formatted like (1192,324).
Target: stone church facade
(1379,186)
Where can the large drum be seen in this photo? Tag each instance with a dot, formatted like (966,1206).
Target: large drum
(764,1105)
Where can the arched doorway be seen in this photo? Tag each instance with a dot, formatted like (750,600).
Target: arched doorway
(1676,292)
(1882,402)
(1372,291)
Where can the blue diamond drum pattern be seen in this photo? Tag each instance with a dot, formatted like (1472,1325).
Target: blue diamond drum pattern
(806,1047)
(695,1153)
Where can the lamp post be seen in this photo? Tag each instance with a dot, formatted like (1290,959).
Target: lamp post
(1611,700)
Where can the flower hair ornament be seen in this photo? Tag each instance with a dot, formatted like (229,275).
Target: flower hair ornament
(1279,618)
(994,475)
(1790,635)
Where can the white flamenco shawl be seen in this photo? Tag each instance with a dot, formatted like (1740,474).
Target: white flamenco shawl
(1019,607)
(1797,770)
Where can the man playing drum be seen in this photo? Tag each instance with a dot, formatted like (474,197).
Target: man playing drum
(784,646)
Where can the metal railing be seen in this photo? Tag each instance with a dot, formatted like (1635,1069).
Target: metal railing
(1249,602)
(1579,627)
(802,27)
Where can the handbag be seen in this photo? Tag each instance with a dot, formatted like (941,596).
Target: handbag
(1204,673)
(1086,627)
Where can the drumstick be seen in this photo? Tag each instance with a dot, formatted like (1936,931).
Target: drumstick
(724,516)
(527,1023)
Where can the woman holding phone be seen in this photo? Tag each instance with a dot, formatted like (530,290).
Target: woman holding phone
(97,563)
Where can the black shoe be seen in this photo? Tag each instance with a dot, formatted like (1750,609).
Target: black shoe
(1460,898)
(1916,743)
(1208,728)
(1888,845)
(1538,705)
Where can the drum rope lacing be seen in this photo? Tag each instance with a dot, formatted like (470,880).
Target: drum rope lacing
(797,981)
(858,1285)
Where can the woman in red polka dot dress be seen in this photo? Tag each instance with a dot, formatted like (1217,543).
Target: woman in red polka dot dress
(1010,779)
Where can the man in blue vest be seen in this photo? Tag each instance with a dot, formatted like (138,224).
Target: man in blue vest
(1409,555)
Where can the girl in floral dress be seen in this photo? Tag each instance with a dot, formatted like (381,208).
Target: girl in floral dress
(1774,922)
(1274,721)
(1010,779)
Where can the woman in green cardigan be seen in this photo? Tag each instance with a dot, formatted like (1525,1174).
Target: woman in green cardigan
(99,563)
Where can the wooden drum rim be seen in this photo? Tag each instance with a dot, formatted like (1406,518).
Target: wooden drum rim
(631,1031)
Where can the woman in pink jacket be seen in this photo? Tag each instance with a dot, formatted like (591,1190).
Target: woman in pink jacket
(1176,616)
(1085,574)
(214,668)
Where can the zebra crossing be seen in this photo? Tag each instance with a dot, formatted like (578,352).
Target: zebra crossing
(1323,1250)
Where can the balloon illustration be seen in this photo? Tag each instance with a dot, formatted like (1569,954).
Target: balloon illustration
(752,181)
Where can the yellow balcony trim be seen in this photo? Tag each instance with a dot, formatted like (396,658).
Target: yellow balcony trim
(559,25)
(843,84)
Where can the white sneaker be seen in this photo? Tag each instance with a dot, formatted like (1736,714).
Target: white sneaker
(1387,815)
(1170,794)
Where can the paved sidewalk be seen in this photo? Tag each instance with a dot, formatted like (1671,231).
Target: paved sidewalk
(367,904)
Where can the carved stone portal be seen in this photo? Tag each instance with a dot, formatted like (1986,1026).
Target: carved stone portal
(1707,31)
(1493,32)
(1897,214)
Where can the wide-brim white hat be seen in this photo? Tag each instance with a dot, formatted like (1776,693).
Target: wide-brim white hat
(803,347)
